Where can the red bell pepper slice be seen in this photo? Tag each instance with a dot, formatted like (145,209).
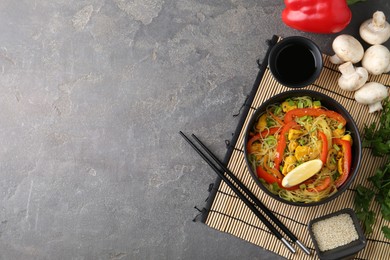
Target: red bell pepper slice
(274,171)
(269,178)
(324,151)
(261,173)
(347,160)
(317,16)
(299,112)
(257,136)
(322,186)
(282,142)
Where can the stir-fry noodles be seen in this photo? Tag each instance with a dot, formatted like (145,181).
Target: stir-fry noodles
(296,131)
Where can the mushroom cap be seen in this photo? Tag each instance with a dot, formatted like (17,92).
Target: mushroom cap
(376,59)
(371,93)
(347,48)
(375,30)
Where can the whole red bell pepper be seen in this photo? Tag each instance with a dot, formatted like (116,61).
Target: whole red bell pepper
(317,16)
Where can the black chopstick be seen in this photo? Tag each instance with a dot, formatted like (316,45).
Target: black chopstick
(273,230)
(254,198)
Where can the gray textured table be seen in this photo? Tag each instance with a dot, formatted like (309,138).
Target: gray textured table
(93,94)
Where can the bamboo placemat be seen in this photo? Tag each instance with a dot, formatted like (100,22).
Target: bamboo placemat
(227,213)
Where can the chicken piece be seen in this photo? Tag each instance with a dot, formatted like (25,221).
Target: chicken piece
(294,134)
(347,137)
(305,153)
(292,145)
(256,147)
(302,152)
(261,123)
(338,132)
(289,164)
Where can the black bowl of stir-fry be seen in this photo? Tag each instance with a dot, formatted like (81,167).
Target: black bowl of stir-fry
(302,148)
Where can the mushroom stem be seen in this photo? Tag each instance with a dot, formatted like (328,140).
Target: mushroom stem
(375,107)
(347,69)
(335,59)
(379,20)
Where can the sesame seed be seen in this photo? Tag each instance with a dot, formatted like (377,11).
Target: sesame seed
(334,232)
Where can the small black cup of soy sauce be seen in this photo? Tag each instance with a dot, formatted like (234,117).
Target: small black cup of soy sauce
(295,61)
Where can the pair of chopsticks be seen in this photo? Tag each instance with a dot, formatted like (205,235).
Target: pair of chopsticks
(255,205)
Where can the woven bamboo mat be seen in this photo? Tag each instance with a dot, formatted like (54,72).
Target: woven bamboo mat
(225,212)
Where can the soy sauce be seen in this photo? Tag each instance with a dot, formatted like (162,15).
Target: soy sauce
(295,63)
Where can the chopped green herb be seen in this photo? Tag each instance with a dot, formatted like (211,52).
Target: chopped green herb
(278,110)
(336,147)
(275,188)
(333,160)
(302,119)
(313,129)
(270,122)
(270,140)
(308,103)
(302,141)
(317,103)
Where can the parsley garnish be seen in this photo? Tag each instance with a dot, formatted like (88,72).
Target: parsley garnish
(378,139)
(362,204)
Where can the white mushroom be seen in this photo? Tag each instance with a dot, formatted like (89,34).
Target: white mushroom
(346,48)
(352,78)
(375,30)
(371,94)
(376,60)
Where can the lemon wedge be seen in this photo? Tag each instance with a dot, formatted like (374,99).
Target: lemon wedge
(301,173)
